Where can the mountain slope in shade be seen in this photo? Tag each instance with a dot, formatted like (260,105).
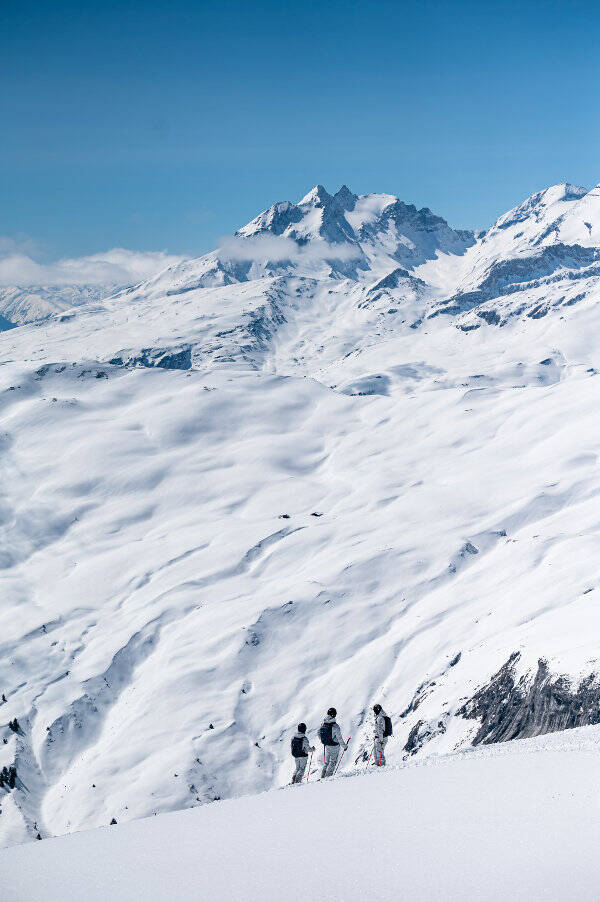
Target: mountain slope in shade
(291,474)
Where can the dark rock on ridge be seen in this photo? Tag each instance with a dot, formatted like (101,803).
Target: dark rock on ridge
(165,358)
(515,709)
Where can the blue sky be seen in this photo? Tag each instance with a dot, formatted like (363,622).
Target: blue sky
(166,125)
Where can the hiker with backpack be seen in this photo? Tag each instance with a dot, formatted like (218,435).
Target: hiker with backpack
(300,749)
(383,730)
(332,739)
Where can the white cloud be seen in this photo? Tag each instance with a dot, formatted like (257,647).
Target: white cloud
(276,248)
(114,267)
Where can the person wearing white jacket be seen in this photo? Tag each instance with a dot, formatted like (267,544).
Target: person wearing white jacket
(380,736)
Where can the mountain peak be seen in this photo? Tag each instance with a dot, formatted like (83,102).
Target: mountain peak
(318,195)
(345,198)
(562,192)
(544,214)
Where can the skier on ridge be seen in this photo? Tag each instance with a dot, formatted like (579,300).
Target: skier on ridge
(383,730)
(332,739)
(300,749)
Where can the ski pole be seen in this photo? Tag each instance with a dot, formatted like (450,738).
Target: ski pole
(309,764)
(369,761)
(342,755)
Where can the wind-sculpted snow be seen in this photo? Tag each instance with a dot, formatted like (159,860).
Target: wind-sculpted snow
(246,490)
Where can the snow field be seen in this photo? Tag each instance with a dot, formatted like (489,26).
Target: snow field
(519,821)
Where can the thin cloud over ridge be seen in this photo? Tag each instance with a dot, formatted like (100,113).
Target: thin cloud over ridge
(116,266)
(278,248)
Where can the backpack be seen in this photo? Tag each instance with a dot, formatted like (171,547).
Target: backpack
(298,747)
(387,728)
(326,734)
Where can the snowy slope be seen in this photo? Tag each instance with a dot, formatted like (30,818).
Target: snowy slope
(277,478)
(542,255)
(518,822)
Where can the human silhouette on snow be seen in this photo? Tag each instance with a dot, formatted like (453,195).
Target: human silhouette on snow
(300,749)
(382,726)
(333,741)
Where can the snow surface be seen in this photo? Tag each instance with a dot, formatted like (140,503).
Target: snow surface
(519,821)
(255,486)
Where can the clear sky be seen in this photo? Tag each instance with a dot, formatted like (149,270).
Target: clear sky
(165,125)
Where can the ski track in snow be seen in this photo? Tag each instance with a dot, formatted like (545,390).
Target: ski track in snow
(323,505)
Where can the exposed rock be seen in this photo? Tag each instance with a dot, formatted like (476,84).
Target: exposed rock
(8,776)
(422,692)
(506,277)
(421,733)
(511,709)
(164,358)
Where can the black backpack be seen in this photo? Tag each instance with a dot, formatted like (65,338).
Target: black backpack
(387,728)
(298,747)
(326,734)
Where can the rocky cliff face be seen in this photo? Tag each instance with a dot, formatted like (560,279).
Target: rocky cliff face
(511,708)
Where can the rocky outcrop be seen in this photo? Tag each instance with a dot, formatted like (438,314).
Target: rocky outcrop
(511,708)
(164,358)
(8,777)
(421,733)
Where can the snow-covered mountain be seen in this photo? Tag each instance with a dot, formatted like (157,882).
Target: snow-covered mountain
(350,455)
(543,254)
(31,291)
(37,302)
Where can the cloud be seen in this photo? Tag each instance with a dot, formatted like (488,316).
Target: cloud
(277,248)
(114,267)
(21,245)
(120,267)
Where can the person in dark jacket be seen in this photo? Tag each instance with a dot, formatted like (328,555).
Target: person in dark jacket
(300,749)
(331,748)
